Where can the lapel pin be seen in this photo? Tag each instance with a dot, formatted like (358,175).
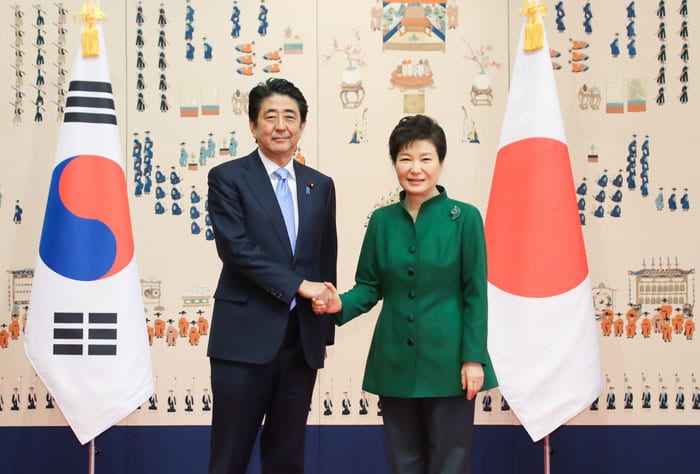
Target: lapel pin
(309,187)
(455,212)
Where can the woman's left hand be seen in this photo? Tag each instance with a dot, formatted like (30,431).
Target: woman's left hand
(472,378)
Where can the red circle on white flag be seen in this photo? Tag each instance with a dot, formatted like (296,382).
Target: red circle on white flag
(533,232)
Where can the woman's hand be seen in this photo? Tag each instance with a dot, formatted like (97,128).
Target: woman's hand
(333,305)
(472,378)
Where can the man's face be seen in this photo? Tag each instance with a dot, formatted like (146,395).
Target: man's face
(278,128)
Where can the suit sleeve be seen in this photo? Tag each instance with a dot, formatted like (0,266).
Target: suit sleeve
(235,247)
(473,276)
(367,290)
(329,257)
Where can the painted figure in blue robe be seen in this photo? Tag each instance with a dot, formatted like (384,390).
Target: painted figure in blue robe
(599,212)
(208,50)
(203,153)
(683,78)
(236,21)
(603,180)
(630,10)
(582,189)
(147,166)
(211,147)
(162,19)
(189,12)
(136,149)
(148,183)
(137,163)
(619,180)
(672,204)
(685,201)
(162,83)
(207,219)
(174,178)
(189,30)
(162,62)
(632,48)
(582,218)
(209,234)
(659,201)
(194,212)
(684,29)
(17,216)
(561,27)
(262,17)
(194,228)
(683,10)
(617,196)
(616,211)
(137,176)
(183,155)
(615,47)
(158,208)
(632,149)
(645,147)
(194,197)
(581,204)
(685,56)
(160,194)
(644,189)
(683,98)
(139,188)
(160,176)
(232,145)
(175,209)
(189,53)
(630,29)
(661,77)
(175,194)
(600,197)
(631,183)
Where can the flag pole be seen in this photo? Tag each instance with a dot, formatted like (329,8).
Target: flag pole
(547,451)
(91,457)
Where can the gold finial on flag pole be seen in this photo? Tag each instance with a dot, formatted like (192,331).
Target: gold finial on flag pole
(89,14)
(534,29)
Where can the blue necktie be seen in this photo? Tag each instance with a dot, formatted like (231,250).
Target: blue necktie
(284,198)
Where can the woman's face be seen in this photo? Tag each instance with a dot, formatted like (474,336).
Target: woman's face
(418,168)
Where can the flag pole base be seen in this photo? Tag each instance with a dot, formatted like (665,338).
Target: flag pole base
(547,452)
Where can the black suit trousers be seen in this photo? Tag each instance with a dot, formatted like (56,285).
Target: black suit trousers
(280,392)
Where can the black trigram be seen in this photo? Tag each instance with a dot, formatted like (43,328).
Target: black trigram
(90,102)
(69,333)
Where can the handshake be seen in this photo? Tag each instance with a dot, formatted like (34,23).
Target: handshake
(324,296)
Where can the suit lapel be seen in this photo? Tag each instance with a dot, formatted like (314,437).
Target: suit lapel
(304,201)
(259,184)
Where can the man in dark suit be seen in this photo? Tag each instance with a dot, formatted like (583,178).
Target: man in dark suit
(274,227)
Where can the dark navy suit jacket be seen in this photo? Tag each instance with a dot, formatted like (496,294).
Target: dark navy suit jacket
(260,276)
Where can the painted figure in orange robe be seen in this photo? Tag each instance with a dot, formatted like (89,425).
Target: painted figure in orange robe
(171,336)
(667,332)
(203,324)
(618,326)
(151,334)
(678,321)
(159,327)
(646,327)
(689,329)
(4,338)
(606,323)
(631,322)
(183,325)
(194,336)
(14,328)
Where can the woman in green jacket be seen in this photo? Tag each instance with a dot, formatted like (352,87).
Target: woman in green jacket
(425,257)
